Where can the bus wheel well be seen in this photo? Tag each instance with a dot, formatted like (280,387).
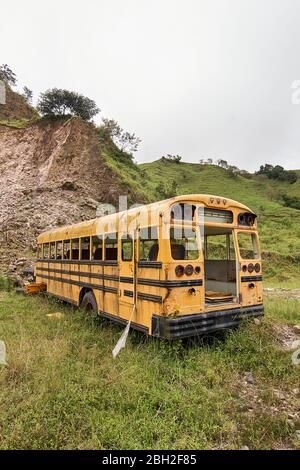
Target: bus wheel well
(84,291)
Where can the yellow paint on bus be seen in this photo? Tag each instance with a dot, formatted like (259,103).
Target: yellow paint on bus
(187,265)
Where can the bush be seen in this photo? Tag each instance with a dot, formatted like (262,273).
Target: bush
(5,283)
(278,173)
(291,201)
(172,158)
(58,102)
(167,190)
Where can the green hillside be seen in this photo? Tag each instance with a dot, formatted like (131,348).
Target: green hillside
(279,225)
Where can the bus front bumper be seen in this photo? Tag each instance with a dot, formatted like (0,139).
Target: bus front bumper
(203,323)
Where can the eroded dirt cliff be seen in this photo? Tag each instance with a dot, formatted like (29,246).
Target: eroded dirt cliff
(51,174)
(15,107)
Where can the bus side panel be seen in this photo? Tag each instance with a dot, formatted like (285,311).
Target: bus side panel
(149,295)
(111,290)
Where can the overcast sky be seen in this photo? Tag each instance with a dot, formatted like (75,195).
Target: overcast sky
(199,78)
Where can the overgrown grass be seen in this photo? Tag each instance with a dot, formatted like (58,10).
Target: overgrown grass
(5,283)
(62,388)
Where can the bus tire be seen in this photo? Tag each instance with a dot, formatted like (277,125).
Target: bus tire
(89,303)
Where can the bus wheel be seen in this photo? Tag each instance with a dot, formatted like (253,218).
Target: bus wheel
(89,303)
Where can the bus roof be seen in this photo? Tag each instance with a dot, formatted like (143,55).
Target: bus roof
(89,227)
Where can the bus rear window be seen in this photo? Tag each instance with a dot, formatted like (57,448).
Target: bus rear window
(248,245)
(184,212)
(184,244)
(217,216)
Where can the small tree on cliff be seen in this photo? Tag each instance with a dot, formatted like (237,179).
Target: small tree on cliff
(58,102)
(7,75)
(27,94)
(124,140)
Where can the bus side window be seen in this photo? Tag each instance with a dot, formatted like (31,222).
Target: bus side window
(97,248)
(111,247)
(85,248)
(149,244)
(58,250)
(46,251)
(66,249)
(126,248)
(75,249)
(52,250)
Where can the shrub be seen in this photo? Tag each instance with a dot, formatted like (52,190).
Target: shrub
(291,201)
(277,173)
(172,158)
(5,283)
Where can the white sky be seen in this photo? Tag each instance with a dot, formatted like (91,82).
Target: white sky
(199,78)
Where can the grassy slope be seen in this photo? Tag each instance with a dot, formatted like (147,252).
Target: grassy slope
(63,390)
(279,226)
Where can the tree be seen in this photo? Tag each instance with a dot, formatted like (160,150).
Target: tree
(7,75)
(173,158)
(222,163)
(277,173)
(232,171)
(124,140)
(57,102)
(28,95)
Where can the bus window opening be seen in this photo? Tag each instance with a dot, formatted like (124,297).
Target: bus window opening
(220,266)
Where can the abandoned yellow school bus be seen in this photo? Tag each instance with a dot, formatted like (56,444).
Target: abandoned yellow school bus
(177,268)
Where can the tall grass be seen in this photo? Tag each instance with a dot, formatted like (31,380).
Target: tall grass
(6,283)
(62,388)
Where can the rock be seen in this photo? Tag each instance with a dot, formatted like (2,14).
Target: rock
(257,321)
(249,377)
(69,186)
(244,448)
(296,329)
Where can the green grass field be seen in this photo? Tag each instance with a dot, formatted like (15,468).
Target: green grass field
(63,390)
